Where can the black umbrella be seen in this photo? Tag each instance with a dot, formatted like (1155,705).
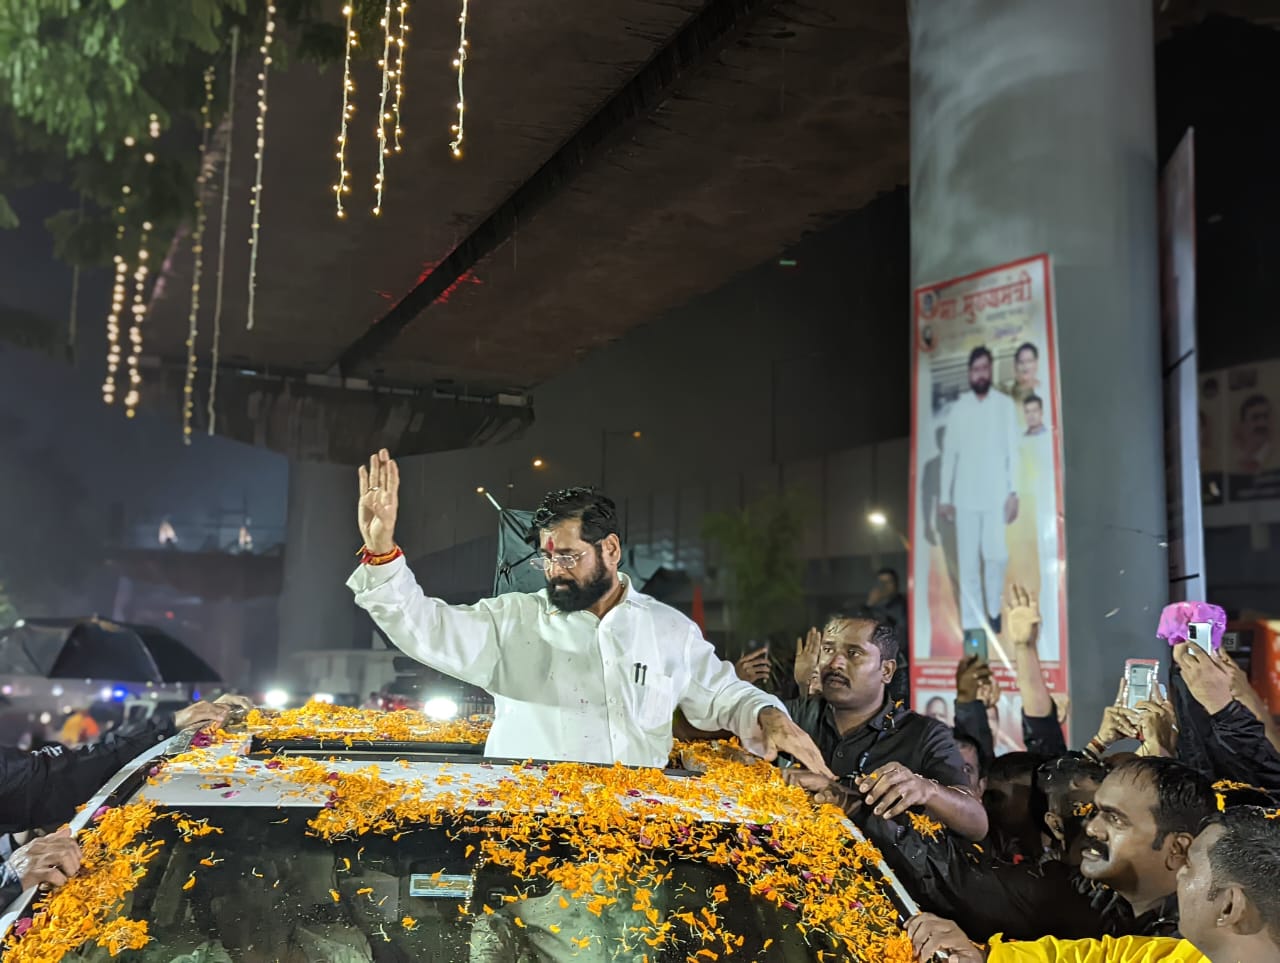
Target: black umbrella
(517,547)
(94,648)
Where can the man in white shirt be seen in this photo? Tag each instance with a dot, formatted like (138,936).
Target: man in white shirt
(1041,483)
(979,493)
(588,669)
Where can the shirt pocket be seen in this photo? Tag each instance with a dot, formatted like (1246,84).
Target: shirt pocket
(656,704)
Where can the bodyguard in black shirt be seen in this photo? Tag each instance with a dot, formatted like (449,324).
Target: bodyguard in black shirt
(894,759)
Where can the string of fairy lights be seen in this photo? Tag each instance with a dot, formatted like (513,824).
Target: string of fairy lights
(389,130)
(402,30)
(211,409)
(268,36)
(460,65)
(113,316)
(133,265)
(197,252)
(348,108)
(383,114)
(140,273)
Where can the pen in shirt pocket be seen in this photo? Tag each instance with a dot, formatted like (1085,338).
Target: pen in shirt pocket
(640,673)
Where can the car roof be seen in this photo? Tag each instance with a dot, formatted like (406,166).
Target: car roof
(355,786)
(238,771)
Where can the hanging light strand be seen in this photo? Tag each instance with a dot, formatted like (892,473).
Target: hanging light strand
(113,318)
(139,310)
(402,40)
(118,291)
(197,252)
(383,115)
(222,233)
(256,200)
(460,64)
(141,272)
(348,108)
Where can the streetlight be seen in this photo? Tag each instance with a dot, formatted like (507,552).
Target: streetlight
(879,521)
(538,463)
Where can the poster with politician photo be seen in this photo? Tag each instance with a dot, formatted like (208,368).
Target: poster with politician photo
(1239,453)
(986,469)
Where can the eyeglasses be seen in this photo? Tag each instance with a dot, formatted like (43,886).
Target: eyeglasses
(547,562)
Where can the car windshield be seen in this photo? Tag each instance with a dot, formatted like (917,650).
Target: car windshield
(266,889)
(233,851)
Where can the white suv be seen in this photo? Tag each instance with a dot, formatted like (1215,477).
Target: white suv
(248,849)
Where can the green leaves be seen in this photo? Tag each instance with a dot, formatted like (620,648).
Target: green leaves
(79,76)
(766,574)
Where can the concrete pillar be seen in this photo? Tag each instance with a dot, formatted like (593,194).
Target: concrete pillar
(1033,130)
(316,607)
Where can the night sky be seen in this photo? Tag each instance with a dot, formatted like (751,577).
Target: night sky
(141,464)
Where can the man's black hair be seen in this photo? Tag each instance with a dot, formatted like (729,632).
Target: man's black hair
(883,636)
(1027,346)
(1062,774)
(597,512)
(1184,796)
(1055,780)
(892,573)
(1014,765)
(1033,400)
(981,352)
(984,762)
(1248,855)
(1253,401)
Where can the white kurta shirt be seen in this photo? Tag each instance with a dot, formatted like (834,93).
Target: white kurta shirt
(567,685)
(980,452)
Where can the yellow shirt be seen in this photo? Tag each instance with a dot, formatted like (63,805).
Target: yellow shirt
(1127,949)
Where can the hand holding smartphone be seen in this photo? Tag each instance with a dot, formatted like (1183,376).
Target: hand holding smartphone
(975,645)
(1141,681)
(1201,634)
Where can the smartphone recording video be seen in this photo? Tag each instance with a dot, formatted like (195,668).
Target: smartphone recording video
(1140,677)
(1201,634)
(975,644)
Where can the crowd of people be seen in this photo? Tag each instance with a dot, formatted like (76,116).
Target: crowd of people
(1156,840)
(1126,852)
(1153,841)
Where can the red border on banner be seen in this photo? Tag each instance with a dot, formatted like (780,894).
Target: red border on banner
(927,672)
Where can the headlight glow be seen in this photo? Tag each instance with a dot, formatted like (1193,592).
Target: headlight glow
(441,708)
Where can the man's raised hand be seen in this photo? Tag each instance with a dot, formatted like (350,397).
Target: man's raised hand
(379,502)
(808,651)
(1021,617)
(754,666)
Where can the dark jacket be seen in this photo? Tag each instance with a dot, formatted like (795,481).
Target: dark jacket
(45,787)
(1040,734)
(957,880)
(1231,744)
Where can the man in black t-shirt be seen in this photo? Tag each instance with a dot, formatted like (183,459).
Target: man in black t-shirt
(893,758)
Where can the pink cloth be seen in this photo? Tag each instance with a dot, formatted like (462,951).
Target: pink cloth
(1176,617)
